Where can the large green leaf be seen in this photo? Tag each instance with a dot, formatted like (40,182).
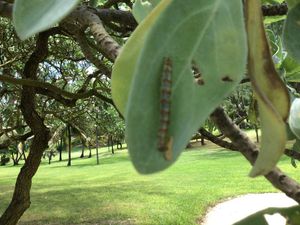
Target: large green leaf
(271,93)
(291,35)
(210,33)
(291,215)
(124,66)
(31,17)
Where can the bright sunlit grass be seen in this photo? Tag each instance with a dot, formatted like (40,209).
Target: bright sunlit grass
(114,193)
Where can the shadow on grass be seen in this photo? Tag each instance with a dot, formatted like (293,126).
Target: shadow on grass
(107,158)
(104,159)
(96,222)
(84,205)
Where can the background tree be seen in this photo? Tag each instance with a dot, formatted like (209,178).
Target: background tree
(63,67)
(57,77)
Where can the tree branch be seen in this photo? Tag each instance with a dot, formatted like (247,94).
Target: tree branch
(228,145)
(53,91)
(124,18)
(250,151)
(218,141)
(87,18)
(87,51)
(292,153)
(7,142)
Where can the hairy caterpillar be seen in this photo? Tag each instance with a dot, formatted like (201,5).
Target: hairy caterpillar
(164,140)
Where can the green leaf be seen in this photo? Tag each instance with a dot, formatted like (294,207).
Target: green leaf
(290,65)
(293,77)
(123,70)
(142,8)
(291,214)
(31,17)
(187,31)
(292,69)
(271,93)
(291,35)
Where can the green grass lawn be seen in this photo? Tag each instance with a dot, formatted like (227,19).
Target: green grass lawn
(114,193)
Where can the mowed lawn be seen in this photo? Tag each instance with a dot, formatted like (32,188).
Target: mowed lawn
(114,193)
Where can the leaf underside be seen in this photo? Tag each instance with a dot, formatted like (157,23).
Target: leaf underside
(220,61)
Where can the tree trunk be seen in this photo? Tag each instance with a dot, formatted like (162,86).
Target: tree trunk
(50,158)
(60,149)
(69,145)
(21,197)
(97,145)
(119,145)
(112,149)
(82,151)
(202,140)
(15,158)
(112,144)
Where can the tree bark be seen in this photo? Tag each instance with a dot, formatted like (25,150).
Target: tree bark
(21,196)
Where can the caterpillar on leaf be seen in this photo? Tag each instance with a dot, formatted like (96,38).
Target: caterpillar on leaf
(164,140)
